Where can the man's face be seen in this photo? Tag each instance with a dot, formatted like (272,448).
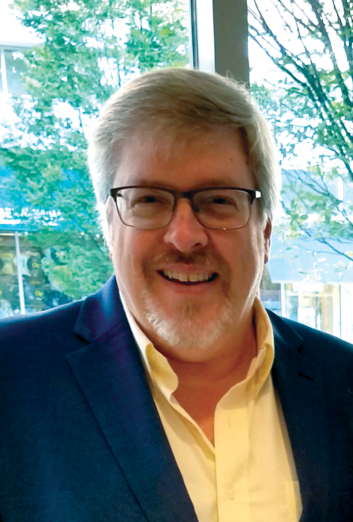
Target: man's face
(185,320)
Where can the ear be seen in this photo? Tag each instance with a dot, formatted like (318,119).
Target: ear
(267,241)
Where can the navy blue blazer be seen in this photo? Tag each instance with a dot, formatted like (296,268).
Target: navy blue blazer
(81,440)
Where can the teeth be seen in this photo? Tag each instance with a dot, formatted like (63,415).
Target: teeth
(184,278)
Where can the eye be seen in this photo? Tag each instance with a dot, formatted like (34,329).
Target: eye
(149,199)
(146,199)
(220,200)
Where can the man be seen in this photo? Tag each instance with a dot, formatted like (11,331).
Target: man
(171,395)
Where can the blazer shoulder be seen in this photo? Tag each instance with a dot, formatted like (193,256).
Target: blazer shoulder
(28,333)
(320,347)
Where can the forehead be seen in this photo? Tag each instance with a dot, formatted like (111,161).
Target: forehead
(185,163)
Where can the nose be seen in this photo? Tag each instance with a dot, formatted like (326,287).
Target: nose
(185,232)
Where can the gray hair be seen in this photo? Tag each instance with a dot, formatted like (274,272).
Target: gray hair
(174,103)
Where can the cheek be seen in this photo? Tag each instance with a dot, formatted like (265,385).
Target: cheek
(129,251)
(250,255)
(118,240)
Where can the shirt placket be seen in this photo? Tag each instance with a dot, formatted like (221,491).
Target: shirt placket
(232,458)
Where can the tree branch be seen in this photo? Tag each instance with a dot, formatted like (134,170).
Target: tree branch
(321,240)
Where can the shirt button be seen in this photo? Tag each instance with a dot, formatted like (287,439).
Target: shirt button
(231,493)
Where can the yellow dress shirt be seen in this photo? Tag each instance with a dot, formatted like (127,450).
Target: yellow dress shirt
(249,474)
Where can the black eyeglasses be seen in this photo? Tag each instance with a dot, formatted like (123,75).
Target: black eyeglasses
(152,207)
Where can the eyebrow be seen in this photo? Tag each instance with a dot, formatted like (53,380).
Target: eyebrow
(219,182)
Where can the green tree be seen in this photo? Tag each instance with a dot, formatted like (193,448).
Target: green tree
(88,49)
(311,44)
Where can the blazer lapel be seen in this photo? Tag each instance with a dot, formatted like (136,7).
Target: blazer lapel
(302,396)
(111,376)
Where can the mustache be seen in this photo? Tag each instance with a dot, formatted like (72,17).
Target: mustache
(194,258)
(199,258)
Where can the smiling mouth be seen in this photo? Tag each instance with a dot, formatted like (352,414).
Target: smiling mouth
(187,279)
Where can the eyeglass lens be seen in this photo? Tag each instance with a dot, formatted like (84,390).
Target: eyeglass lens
(148,208)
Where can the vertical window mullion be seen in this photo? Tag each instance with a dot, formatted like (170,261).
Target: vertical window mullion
(219,30)
(194,48)
(3,72)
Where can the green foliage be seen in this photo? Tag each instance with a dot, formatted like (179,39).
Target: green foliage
(88,49)
(77,266)
(311,43)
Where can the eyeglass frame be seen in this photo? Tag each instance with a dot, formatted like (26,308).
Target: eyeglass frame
(189,194)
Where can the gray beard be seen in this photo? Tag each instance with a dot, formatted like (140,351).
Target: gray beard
(188,330)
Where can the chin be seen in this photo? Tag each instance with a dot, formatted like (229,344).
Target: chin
(191,328)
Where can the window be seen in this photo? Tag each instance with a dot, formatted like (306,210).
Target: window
(117,45)
(298,59)
(77,57)
(12,68)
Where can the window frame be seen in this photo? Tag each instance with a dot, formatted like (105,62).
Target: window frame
(219,37)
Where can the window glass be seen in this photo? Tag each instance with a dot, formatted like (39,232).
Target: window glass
(315,305)
(9,299)
(15,68)
(301,76)
(77,54)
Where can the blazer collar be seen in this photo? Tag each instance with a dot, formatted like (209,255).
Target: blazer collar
(100,312)
(111,376)
(301,391)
